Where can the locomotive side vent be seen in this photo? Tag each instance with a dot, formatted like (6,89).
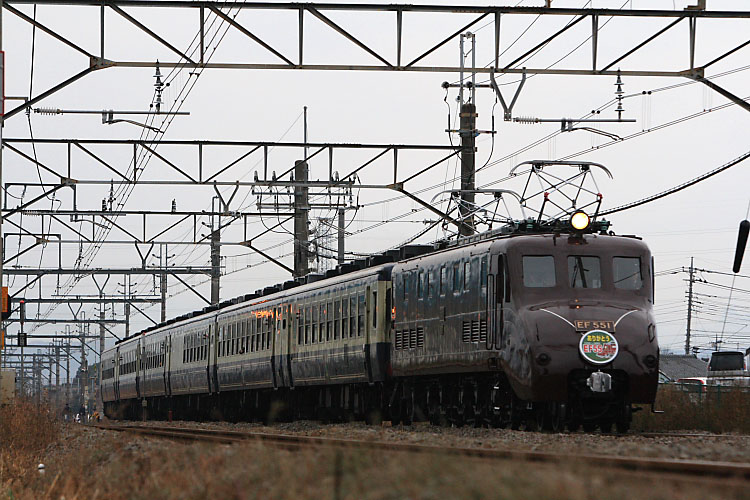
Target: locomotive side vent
(474,331)
(409,339)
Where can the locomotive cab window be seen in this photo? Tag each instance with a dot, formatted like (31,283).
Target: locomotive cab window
(584,271)
(538,271)
(627,273)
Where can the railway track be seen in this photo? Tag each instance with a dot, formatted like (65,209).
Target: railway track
(708,469)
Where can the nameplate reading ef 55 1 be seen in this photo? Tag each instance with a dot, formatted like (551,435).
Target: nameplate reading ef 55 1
(586,325)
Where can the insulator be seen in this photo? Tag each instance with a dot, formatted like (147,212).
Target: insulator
(526,119)
(48,111)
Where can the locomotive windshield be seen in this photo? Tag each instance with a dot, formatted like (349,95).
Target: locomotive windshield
(538,271)
(584,272)
(627,273)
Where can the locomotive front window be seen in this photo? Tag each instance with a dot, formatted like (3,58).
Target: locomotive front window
(538,271)
(584,272)
(627,273)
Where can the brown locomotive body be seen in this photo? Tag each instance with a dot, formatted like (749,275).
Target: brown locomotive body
(511,337)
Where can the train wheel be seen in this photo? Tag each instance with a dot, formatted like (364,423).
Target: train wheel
(557,417)
(623,423)
(574,425)
(605,426)
(589,426)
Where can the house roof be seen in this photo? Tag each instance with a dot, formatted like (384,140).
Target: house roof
(676,366)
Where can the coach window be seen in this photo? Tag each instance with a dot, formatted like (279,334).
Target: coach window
(361,317)
(375,309)
(298,316)
(405,279)
(345,317)
(244,336)
(322,317)
(314,324)
(443,279)
(336,319)
(420,285)
(584,271)
(234,339)
(467,275)
(329,319)
(627,273)
(456,278)
(430,284)
(483,275)
(307,324)
(538,271)
(352,316)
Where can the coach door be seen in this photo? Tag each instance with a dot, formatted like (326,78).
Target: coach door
(495,285)
(278,345)
(491,310)
(370,313)
(212,358)
(118,363)
(166,347)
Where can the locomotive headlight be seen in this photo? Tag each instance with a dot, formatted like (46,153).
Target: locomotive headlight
(580,221)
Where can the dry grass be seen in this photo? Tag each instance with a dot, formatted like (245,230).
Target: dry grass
(26,430)
(98,465)
(724,411)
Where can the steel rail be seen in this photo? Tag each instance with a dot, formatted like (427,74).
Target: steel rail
(640,464)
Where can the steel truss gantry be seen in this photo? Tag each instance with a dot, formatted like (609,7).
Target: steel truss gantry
(316,12)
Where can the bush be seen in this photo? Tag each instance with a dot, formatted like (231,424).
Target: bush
(26,430)
(719,409)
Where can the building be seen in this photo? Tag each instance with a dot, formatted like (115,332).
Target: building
(676,366)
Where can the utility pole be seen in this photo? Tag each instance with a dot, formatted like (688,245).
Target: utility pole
(67,373)
(342,221)
(83,380)
(57,376)
(301,213)
(99,402)
(215,262)
(163,261)
(691,279)
(468,132)
(468,159)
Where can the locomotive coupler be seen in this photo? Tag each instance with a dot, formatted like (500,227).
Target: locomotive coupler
(599,382)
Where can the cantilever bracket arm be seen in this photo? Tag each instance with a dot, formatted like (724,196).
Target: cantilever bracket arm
(708,83)
(507,110)
(249,245)
(446,217)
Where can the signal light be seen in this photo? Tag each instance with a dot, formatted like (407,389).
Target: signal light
(741,242)
(5,303)
(580,221)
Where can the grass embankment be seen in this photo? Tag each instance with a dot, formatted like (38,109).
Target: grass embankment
(727,410)
(102,465)
(26,430)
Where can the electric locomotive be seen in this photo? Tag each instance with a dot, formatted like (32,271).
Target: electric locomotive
(540,325)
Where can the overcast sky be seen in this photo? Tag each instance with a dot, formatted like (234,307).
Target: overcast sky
(391,108)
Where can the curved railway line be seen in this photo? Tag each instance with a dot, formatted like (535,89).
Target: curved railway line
(707,469)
